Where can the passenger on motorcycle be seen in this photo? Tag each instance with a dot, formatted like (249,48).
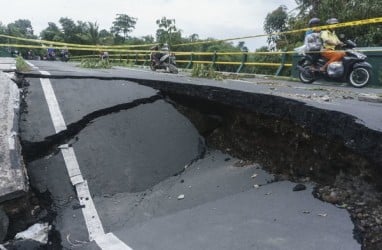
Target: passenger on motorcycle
(331,41)
(312,41)
(156,55)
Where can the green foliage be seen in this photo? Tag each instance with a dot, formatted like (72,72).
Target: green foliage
(200,70)
(140,40)
(346,10)
(122,25)
(263,58)
(52,33)
(123,63)
(21,65)
(21,28)
(70,31)
(95,64)
(278,20)
(275,22)
(92,35)
(167,32)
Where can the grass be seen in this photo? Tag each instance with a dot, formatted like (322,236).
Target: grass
(21,65)
(202,71)
(95,64)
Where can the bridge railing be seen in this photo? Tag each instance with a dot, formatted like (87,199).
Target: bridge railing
(250,62)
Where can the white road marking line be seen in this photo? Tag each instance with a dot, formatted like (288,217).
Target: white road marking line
(110,242)
(92,220)
(30,64)
(72,165)
(54,108)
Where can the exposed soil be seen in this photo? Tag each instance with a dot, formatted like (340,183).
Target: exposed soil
(343,177)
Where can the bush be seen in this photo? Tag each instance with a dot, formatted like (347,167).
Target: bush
(21,65)
(95,64)
(200,70)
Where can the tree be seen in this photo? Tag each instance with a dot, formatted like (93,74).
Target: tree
(167,32)
(92,35)
(148,39)
(3,30)
(140,40)
(123,24)
(106,38)
(241,46)
(194,37)
(276,22)
(21,28)
(69,30)
(308,7)
(52,33)
(346,10)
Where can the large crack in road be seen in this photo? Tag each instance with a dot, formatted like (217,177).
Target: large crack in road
(256,130)
(343,176)
(36,150)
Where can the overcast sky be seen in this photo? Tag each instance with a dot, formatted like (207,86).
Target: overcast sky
(219,19)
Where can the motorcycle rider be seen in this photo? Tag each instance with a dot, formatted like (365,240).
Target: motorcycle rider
(64,53)
(155,54)
(330,41)
(51,52)
(104,55)
(312,41)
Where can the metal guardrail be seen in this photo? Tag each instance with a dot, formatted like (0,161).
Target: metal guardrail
(188,59)
(193,57)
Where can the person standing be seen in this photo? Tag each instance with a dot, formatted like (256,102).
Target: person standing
(330,42)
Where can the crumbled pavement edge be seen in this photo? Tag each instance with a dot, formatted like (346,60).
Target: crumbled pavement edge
(13,176)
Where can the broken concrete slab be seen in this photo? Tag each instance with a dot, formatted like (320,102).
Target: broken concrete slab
(8,64)
(13,177)
(370,98)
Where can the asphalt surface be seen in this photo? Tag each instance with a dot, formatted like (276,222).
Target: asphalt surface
(151,185)
(325,95)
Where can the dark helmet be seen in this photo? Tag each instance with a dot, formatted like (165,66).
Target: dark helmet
(314,21)
(332,21)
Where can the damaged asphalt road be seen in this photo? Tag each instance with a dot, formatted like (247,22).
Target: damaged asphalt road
(154,181)
(111,127)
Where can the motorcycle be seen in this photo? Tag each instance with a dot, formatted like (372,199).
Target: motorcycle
(353,68)
(164,61)
(51,56)
(64,56)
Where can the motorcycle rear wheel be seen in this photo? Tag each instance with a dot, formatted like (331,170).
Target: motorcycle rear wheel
(359,77)
(152,66)
(307,75)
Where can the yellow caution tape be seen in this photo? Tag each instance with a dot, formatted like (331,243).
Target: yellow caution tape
(126,48)
(338,25)
(100,47)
